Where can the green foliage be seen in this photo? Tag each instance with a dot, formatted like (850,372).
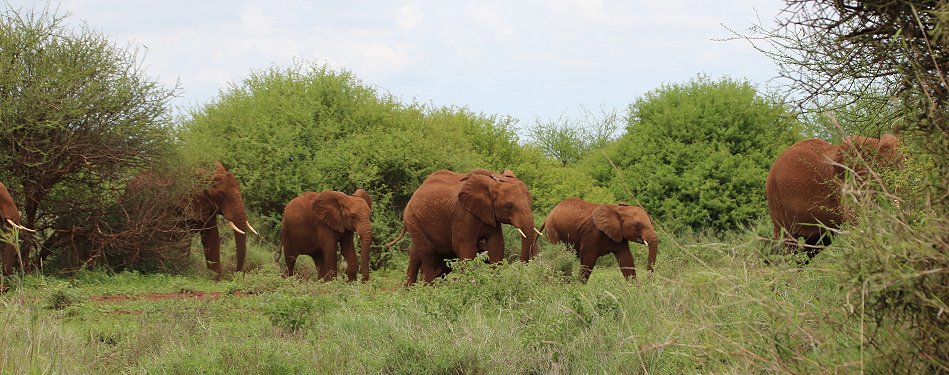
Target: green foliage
(550,182)
(696,155)
(62,297)
(290,313)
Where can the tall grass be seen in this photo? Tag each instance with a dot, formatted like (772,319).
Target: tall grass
(711,306)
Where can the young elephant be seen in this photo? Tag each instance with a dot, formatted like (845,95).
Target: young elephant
(594,230)
(314,223)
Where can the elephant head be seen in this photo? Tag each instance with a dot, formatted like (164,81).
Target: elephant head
(503,198)
(860,152)
(223,196)
(344,213)
(622,222)
(9,216)
(8,211)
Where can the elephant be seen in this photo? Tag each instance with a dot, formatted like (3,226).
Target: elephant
(315,223)
(451,213)
(803,185)
(218,193)
(594,230)
(10,216)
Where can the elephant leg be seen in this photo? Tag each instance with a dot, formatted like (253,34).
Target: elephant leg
(348,249)
(626,263)
(291,263)
(587,261)
(328,271)
(9,258)
(411,275)
(495,247)
(428,268)
(211,241)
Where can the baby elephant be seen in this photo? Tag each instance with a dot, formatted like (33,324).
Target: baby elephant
(314,223)
(594,230)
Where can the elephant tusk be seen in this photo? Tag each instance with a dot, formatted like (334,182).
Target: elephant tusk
(20,227)
(646,242)
(235,228)
(252,228)
(521,232)
(538,232)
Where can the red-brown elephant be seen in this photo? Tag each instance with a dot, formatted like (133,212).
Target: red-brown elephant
(217,192)
(803,185)
(9,219)
(595,230)
(450,213)
(315,223)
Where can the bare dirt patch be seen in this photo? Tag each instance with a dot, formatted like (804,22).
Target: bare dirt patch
(160,296)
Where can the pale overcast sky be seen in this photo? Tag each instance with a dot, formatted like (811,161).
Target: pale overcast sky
(528,59)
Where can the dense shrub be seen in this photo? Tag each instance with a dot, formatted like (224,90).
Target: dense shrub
(695,155)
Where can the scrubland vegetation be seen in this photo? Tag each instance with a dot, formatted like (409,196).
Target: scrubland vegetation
(102,295)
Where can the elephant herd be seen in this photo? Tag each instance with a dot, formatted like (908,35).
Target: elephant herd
(453,215)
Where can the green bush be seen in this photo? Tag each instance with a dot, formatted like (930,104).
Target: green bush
(290,313)
(695,155)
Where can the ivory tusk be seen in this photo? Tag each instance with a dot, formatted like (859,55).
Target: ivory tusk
(521,232)
(235,228)
(646,242)
(538,232)
(20,227)
(252,228)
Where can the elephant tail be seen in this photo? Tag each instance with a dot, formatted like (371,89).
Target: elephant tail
(402,233)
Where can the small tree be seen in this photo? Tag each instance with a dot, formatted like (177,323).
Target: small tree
(696,155)
(77,114)
(568,140)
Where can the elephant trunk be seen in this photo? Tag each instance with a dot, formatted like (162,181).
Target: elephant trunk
(529,241)
(365,241)
(652,242)
(239,224)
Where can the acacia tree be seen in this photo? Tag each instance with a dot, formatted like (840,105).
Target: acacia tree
(569,140)
(77,114)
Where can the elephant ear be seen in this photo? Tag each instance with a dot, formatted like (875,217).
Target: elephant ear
(475,197)
(508,173)
(606,219)
(360,193)
(327,208)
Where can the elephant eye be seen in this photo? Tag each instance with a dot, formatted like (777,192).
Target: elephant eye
(509,205)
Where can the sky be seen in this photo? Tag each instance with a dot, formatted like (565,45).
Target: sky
(532,60)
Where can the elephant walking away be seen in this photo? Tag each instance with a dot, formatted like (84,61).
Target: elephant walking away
(315,223)
(804,185)
(9,219)
(221,195)
(594,230)
(450,213)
